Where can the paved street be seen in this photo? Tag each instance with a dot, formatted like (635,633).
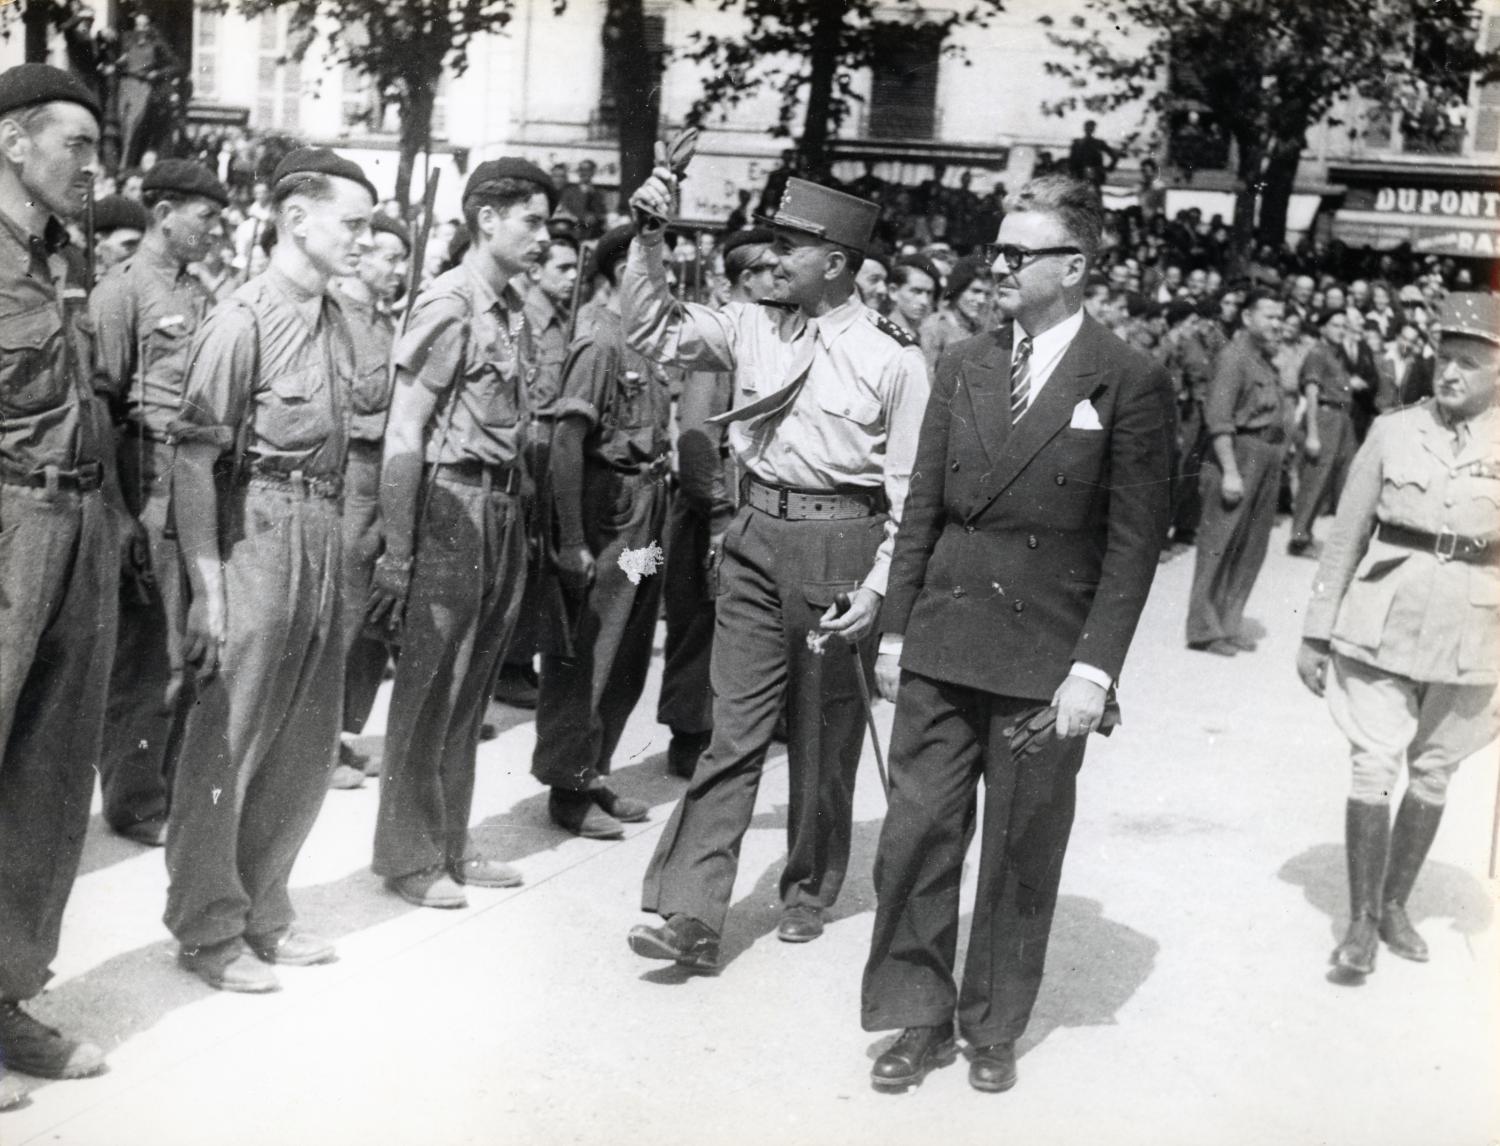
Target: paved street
(1185,1000)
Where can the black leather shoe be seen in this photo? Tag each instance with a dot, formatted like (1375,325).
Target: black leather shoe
(686,941)
(152,832)
(291,948)
(579,813)
(800,923)
(32,1047)
(626,809)
(993,1068)
(916,1051)
(1400,936)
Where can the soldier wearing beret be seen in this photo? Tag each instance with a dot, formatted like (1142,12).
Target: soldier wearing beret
(1405,612)
(366,296)
(829,400)
(1329,446)
(699,517)
(265,411)
(146,311)
(608,482)
(119,225)
(454,562)
(58,555)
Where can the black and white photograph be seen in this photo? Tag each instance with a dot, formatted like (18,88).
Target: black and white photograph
(696,572)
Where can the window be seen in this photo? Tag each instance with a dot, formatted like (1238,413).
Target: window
(206,54)
(1487,98)
(612,84)
(278,77)
(904,82)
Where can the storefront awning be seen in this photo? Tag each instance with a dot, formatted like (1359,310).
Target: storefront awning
(1472,238)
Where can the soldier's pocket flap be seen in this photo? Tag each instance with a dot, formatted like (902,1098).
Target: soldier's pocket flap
(821,594)
(1408,472)
(1376,565)
(31,330)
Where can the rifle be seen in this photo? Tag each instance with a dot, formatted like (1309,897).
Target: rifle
(419,251)
(89,241)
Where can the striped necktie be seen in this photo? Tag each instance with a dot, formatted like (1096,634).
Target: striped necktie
(1020,380)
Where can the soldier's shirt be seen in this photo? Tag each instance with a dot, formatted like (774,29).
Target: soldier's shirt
(373,333)
(1326,368)
(1246,390)
(1402,610)
(275,359)
(471,348)
(855,421)
(549,337)
(146,310)
(625,397)
(48,416)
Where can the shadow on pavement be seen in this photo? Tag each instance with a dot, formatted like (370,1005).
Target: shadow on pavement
(102,848)
(1442,891)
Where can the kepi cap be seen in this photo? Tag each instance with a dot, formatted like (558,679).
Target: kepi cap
(321,161)
(494,170)
(30,85)
(1473,313)
(832,215)
(185,177)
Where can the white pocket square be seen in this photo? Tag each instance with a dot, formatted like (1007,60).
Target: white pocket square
(1085,417)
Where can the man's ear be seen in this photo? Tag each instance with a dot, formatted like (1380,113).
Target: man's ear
(13,141)
(835,264)
(295,218)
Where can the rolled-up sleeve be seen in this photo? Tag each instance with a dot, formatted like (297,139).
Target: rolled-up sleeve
(220,377)
(113,311)
(1224,393)
(587,375)
(904,401)
(666,331)
(431,351)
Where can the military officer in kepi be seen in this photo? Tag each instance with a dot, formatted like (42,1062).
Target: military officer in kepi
(1403,631)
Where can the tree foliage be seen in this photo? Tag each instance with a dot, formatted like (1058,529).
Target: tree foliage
(1267,71)
(403,46)
(808,52)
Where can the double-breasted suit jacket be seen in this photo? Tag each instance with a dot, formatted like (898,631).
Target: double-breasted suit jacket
(1027,548)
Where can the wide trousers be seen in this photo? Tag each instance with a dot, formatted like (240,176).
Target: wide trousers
(585,700)
(1232,543)
(259,743)
(465,592)
(947,738)
(686,703)
(775,580)
(1320,482)
(150,693)
(365,656)
(59,565)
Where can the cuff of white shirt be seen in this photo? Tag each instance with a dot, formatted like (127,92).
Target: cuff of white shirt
(1089,672)
(890,644)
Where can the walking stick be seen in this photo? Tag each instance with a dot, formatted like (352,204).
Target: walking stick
(841,602)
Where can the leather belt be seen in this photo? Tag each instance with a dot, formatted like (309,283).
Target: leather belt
(654,468)
(809,504)
(1324,404)
(329,486)
(496,478)
(367,451)
(1445,546)
(1272,435)
(88,477)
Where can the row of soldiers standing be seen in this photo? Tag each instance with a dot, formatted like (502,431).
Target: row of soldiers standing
(247,508)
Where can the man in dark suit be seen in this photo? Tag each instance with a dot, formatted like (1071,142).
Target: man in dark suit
(1037,509)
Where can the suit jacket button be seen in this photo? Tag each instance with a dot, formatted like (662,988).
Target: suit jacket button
(1061,480)
(1031,541)
(955,467)
(969,528)
(1019,606)
(958,590)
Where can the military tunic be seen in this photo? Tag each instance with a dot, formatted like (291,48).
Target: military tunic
(470,347)
(1415,635)
(145,312)
(58,583)
(585,700)
(1321,479)
(268,383)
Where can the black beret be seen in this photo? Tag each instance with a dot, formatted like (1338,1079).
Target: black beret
(494,170)
(761,235)
(925,265)
(382,222)
(115,211)
(962,277)
(28,85)
(612,249)
(1179,310)
(185,177)
(1329,314)
(321,161)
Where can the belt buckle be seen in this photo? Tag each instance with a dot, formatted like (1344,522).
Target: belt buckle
(781,503)
(1439,551)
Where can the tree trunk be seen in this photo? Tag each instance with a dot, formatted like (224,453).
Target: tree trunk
(416,123)
(1242,232)
(639,98)
(823,66)
(37,19)
(1281,177)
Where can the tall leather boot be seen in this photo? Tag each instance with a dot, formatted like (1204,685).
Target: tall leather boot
(1416,825)
(1367,836)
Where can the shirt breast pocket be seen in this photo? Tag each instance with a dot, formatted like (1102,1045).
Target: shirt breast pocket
(290,413)
(33,374)
(861,409)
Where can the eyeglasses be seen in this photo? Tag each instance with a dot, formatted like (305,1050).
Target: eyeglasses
(1017,257)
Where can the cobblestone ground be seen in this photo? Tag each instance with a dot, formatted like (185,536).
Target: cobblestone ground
(1185,1000)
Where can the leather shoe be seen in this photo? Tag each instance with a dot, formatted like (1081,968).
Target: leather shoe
(683,751)
(1244,644)
(993,1068)
(686,941)
(229,966)
(577,812)
(479,871)
(1400,936)
(800,923)
(1220,648)
(345,778)
(32,1047)
(916,1051)
(623,808)
(430,887)
(291,948)
(151,832)
(12,1093)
